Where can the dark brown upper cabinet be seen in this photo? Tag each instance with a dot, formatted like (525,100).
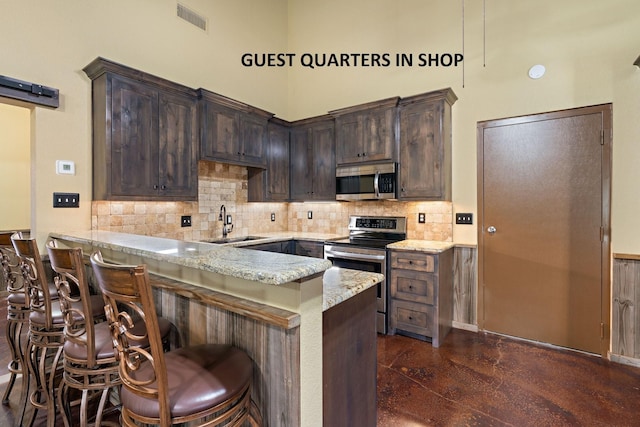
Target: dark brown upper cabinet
(425,146)
(145,135)
(231,131)
(272,184)
(313,159)
(367,132)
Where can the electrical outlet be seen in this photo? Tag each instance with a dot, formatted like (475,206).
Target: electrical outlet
(421,218)
(185,220)
(66,200)
(273,216)
(309,214)
(229,220)
(464,218)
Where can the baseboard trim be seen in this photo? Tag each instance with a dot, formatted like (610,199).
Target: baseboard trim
(625,360)
(465,326)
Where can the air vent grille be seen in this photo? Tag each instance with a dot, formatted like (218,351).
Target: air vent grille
(192,17)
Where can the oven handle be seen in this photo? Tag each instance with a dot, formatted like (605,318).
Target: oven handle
(350,255)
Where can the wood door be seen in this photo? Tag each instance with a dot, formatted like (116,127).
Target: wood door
(178,161)
(425,147)
(278,163)
(349,139)
(134,140)
(220,132)
(324,161)
(301,170)
(544,196)
(379,134)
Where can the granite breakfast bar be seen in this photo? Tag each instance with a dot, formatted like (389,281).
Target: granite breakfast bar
(288,312)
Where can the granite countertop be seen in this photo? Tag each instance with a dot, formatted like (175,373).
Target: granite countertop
(339,284)
(429,246)
(265,267)
(277,236)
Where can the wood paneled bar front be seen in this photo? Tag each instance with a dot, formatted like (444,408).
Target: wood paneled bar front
(270,305)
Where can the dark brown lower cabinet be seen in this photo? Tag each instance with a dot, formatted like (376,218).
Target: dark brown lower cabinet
(349,362)
(421,291)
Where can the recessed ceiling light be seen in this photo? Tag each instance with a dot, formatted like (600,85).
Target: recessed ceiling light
(537,71)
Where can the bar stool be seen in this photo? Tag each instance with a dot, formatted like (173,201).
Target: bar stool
(209,384)
(17,315)
(46,329)
(89,361)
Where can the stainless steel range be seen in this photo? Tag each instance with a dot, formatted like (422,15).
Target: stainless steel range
(365,250)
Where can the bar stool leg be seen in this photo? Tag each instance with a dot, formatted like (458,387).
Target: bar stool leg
(45,375)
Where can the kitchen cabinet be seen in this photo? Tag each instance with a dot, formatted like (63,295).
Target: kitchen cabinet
(421,294)
(313,159)
(425,146)
(309,248)
(231,131)
(144,135)
(367,132)
(272,184)
(282,247)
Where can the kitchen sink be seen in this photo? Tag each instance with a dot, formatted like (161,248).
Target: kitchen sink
(234,239)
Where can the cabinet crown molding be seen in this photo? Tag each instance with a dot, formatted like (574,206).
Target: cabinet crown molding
(100,66)
(383,103)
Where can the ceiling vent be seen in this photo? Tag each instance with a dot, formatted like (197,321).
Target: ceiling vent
(192,17)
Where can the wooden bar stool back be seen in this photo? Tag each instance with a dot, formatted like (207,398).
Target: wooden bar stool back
(208,384)
(17,315)
(46,328)
(89,363)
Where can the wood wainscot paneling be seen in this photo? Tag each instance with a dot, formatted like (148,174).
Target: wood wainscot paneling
(465,285)
(625,328)
(270,336)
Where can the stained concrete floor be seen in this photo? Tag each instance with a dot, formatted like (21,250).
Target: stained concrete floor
(478,379)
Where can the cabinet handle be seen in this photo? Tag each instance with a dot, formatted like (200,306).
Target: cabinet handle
(364,154)
(164,187)
(410,262)
(155,187)
(402,189)
(239,153)
(358,154)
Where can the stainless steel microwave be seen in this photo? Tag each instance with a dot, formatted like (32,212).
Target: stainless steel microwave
(366,182)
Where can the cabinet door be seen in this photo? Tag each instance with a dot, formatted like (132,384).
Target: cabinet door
(349,139)
(220,132)
(134,136)
(301,170)
(324,162)
(277,177)
(378,135)
(421,152)
(251,149)
(178,162)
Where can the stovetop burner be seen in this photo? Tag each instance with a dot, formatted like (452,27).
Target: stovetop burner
(374,232)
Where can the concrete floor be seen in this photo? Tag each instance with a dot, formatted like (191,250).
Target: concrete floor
(478,379)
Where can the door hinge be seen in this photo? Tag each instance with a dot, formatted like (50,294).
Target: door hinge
(602,234)
(602,137)
(601,330)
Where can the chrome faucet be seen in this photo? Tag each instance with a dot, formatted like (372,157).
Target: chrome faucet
(223,217)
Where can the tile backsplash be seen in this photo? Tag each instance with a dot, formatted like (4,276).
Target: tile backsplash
(222,184)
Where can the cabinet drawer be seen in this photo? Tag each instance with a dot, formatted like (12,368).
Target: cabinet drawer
(413,286)
(413,261)
(413,317)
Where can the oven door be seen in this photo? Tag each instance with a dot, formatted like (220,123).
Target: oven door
(363,259)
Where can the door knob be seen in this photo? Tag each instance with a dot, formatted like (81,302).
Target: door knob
(491,229)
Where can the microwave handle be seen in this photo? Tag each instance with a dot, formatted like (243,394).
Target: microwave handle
(376,184)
